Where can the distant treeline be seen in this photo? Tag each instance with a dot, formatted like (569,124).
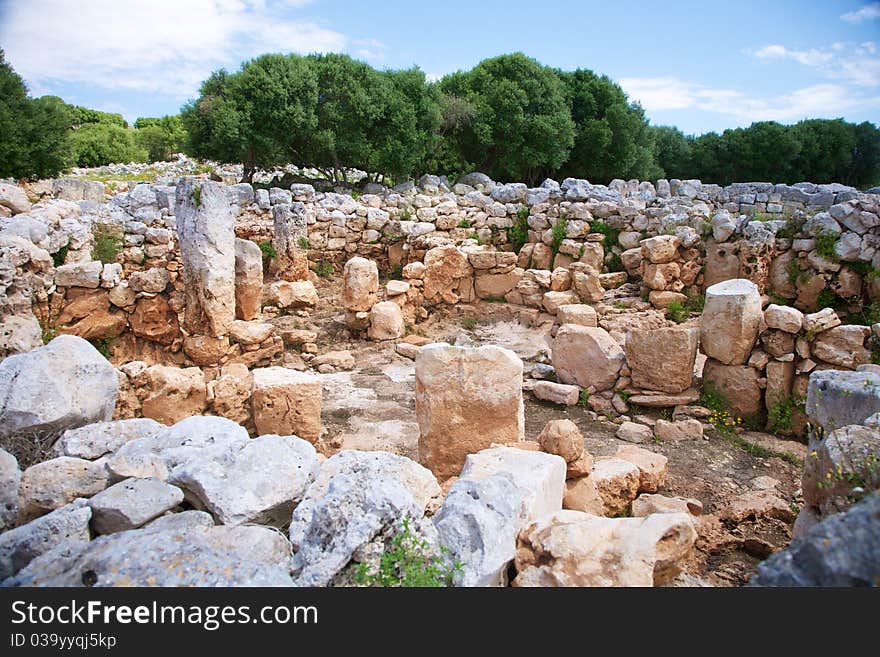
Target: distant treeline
(509,116)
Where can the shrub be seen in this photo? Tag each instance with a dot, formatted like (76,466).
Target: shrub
(780,417)
(108,242)
(396,272)
(304,243)
(469,323)
(825,245)
(518,234)
(677,312)
(559,232)
(324,269)
(583,398)
(465,223)
(408,562)
(60,255)
(268,251)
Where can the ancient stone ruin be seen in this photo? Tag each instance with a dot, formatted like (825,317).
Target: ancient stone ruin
(637,384)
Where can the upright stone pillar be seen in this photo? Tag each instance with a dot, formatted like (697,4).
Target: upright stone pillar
(290,230)
(248,279)
(731,320)
(206,231)
(360,288)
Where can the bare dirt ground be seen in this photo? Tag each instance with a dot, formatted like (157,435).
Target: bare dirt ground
(373,407)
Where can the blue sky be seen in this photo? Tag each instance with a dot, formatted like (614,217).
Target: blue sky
(698,65)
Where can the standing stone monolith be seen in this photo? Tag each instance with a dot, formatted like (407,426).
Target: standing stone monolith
(291,241)
(248,279)
(206,230)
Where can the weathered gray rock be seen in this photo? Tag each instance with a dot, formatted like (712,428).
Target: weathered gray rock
(19,334)
(14,198)
(157,556)
(132,503)
(10,477)
(291,234)
(95,440)
(194,438)
(842,461)
(75,189)
(52,484)
(662,359)
(539,477)
(478,524)
(360,284)
(206,231)
(842,550)
(723,225)
(356,497)
(19,546)
(731,320)
(837,398)
(79,274)
(261,483)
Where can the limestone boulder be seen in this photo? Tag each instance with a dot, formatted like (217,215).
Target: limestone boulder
(132,503)
(731,320)
(570,548)
(445,266)
(466,399)
(662,359)
(291,233)
(295,294)
(784,318)
(587,357)
(581,494)
(360,284)
(19,334)
(260,483)
(837,398)
(287,402)
(652,466)
(648,503)
(633,432)
(617,481)
(60,386)
(14,198)
(563,438)
(171,394)
(386,321)
(738,384)
(660,249)
(96,440)
(843,346)
(558,393)
(10,478)
(577,313)
(689,429)
(51,484)
(154,320)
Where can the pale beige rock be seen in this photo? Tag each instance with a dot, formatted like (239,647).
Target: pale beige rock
(577,313)
(172,393)
(205,350)
(618,483)
(738,384)
(248,279)
(649,503)
(757,504)
(340,360)
(52,484)
(386,321)
(632,432)
(821,321)
(664,298)
(396,288)
(843,346)
(466,399)
(587,357)
(587,286)
(230,393)
(653,467)
(558,393)
(660,276)
(689,429)
(445,266)
(662,401)
(563,438)
(581,494)
(553,300)
(250,332)
(662,359)
(292,294)
(494,286)
(572,548)
(731,319)
(360,284)
(784,318)
(154,320)
(662,248)
(287,402)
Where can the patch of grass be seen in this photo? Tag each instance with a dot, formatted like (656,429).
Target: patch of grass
(518,234)
(620,305)
(105,346)
(795,273)
(609,241)
(197,195)
(864,269)
(491,299)
(408,562)
(394,237)
(584,398)
(825,245)
(828,299)
(778,300)
(613,263)
(558,233)
(468,322)
(757,450)
(396,272)
(60,255)
(625,395)
(680,312)
(780,417)
(108,242)
(465,223)
(268,252)
(791,229)
(324,269)
(304,243)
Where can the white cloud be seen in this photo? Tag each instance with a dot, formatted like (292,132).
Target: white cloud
(433,77)
(820,100)
(156,46)
(858,64)
(865,13)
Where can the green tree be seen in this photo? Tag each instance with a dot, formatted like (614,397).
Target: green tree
(161,137)
(82,115)
(613,139)
(33,132)
(865,168)
(522,127)
(97,144)
(672,151)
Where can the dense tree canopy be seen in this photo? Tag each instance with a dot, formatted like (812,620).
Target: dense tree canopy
(509,116)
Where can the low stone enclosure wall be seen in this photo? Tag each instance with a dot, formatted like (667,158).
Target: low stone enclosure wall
(186,281)
(174,282)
